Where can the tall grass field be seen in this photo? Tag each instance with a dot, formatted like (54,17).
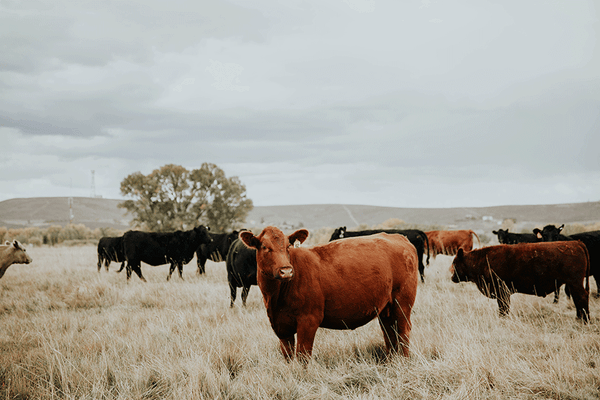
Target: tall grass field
(69,332)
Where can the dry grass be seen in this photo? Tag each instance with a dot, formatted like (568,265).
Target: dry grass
(69,332)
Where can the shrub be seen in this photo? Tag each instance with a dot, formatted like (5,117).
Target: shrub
(70,235)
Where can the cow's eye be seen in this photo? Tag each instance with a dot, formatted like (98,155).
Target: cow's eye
(264,248)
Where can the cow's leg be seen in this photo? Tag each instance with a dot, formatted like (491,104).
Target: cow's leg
(287,347)
(122,266)
(180,270)
(597,279)
(306,331)
(99,262)
(389,327)
(421,265)
(138,270)
(581,300)
(201,265)
(233,292)
(245,291)
(128,271)
(171,269)
(556,292)
(395,324)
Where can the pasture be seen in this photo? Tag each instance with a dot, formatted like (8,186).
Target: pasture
(69,332)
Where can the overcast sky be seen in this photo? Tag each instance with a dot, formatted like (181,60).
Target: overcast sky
(416,103)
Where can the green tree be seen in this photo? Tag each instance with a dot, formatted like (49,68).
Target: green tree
(171,198)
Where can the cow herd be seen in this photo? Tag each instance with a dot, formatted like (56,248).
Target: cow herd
(358,275)
(362,275)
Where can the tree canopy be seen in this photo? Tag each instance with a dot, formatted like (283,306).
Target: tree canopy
(172,198)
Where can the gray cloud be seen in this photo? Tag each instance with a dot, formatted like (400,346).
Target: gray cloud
(384,102)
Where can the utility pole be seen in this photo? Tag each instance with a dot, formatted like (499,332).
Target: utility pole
(93,191)
(71,203)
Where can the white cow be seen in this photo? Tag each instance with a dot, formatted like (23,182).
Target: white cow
(12,253)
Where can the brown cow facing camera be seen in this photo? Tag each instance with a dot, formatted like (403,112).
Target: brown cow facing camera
(528,268)
(343,284)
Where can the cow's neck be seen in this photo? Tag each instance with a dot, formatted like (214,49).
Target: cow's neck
(7,261)
(273,292)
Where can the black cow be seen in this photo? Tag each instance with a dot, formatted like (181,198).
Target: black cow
(506,237)
(551,233)
(216,250)
(110,249)
(158,248)
(241,269)
(416,237)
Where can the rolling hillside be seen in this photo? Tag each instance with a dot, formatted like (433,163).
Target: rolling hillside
(98,212)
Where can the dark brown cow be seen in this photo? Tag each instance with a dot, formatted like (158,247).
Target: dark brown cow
(340,285)
(529,268)
(448,242)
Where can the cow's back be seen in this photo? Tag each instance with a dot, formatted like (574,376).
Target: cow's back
(355,278)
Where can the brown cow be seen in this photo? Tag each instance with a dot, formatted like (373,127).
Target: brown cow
(448,242)
(12,253)
(340,285)
(529,268)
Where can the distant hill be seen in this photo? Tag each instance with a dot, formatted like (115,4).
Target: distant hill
(47,211)
(98,212)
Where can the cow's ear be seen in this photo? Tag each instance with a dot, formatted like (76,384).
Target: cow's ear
(16,244)
(495,232)
(537,233)
(250,240)
(460,254)
(560,228)
(299,235)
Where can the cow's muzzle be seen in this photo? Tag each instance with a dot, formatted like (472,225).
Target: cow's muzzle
(285,273)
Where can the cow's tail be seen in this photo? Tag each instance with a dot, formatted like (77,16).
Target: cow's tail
(587,269)
(478,241)
(426,245)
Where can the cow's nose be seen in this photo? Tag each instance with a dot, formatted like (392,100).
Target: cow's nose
(286,273)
